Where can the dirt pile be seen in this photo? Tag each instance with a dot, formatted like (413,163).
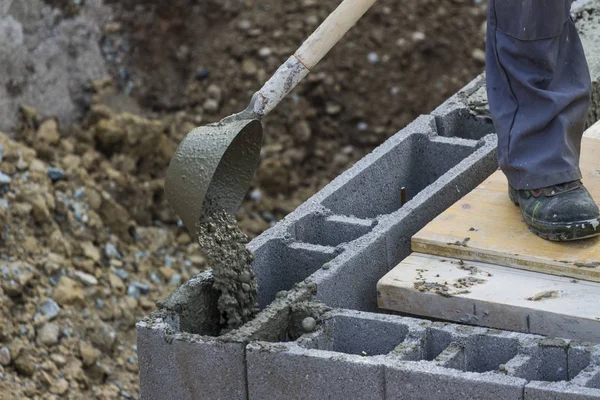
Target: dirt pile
(87,250)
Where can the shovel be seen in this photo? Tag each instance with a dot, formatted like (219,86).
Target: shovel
(213,165)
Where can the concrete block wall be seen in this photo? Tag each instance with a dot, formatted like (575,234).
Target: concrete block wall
(324,260)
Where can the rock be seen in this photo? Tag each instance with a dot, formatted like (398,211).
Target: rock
(48,334)
(333,108)
(214,92)
(418,36)
(249,68)
(136,289)
(25,362)
(101,336)
(68,291)
(48,132)
(210,106)
(49,309)
(90,251)
(244,25)
(59,387)
(302,131)
(202,74)
(5,356)
(86,279)
(265,52)
(309,324)
(56,174)
(166,272)
(373,58)
(478,55)
(89,355)
(121,273)
(116,283)
(4,183)
(111,251)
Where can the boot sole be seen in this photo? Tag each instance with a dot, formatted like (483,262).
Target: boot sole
(560,232)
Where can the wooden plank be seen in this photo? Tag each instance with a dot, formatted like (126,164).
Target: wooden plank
(485,226)
(492,296)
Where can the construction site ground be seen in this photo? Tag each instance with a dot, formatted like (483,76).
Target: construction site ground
(89,243)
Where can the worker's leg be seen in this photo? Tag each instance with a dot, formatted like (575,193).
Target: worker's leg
(538,87)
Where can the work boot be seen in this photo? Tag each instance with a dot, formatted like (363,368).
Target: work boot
(560,213)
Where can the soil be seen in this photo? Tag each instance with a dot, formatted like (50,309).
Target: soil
(89,242)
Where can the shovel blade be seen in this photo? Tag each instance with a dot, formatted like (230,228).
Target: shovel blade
(213,168)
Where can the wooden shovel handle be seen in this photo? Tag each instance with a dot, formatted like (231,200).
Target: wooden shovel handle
(331,31)
(308,55)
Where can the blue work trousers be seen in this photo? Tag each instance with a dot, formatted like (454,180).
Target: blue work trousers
(539,90)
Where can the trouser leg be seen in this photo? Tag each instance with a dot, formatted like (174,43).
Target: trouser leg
(539,90)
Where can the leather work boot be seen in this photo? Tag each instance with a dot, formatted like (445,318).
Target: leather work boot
(560,213)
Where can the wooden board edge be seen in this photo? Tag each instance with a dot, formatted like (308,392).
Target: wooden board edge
(556,267)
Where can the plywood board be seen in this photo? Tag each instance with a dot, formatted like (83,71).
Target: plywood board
(492,296)
(485,226)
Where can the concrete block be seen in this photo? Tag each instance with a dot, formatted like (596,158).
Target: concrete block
(425,381)
(351,280)
(287,371)
(399,227)
(279,264)
(330,230)
(559,391)
(414,164)
(362,333)
(176,366)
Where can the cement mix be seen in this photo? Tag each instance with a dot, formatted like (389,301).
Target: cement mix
(224,246)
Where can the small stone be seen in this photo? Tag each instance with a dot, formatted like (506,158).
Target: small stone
(244,25)
(111,251)
(210,106)
(89,355)
(175,280)
(86,279)
(58,359)
(25,363)
(256,195)
(90,251)
(249,68)
(373,58)
(333,108)
(418,36)
(68,291)
(4,182)
(245,277)
(166,272)
(202,74)
(5,356)
(133,291)
(214,92)
(121,273)
(245,287)
(309,324)
(478,55)
(59,387)
(48,334)
(116,283)
(56,174)
(265,52)
(99,304)
(48,132)
(49,309)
